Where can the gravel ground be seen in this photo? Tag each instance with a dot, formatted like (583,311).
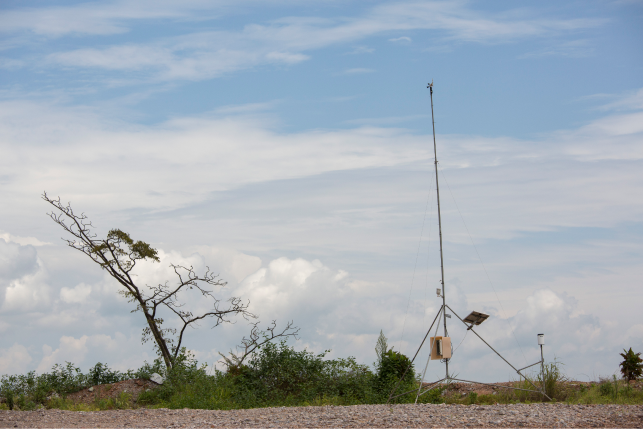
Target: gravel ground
(519,415)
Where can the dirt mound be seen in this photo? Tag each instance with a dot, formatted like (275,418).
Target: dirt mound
(113,391)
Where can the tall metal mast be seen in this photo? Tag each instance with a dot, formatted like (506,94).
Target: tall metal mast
(437,188)
(473,319)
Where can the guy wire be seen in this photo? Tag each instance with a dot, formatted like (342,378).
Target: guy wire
(408,303)
(483,266)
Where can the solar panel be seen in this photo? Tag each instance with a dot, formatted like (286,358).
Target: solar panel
(476,318)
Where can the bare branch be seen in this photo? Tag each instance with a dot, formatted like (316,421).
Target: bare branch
(255,340)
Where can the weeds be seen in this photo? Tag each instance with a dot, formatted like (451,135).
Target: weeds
(28,392)
(278,375)
(608,391)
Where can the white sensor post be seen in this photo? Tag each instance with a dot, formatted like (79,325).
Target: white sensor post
(541,343)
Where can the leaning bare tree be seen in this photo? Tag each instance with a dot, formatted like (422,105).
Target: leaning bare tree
(118,254)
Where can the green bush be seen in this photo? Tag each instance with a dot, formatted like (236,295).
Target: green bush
(395,371)
(632,365)
(31,390)
(606,388)
(275,375)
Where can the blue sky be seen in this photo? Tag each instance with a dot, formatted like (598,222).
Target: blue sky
(288,145)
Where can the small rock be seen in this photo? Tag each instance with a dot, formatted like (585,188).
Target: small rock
(91,389)
(156,378)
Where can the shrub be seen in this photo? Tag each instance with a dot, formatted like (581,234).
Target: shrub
(30,390)
(606,388)
(393,366)
(275,375)
(632,365)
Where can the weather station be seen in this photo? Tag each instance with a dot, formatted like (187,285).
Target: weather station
(440,347)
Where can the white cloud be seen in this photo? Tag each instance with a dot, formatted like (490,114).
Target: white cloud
(246,108)
(349,189)
(333,309)
(27,293)
(14,360)
(24,241)
(286,57)
(16,260)
(337,311)
(208,54)
(75,350)
(23,279)
(173,165)
(70,349)
(401,39)
(78,294)
(579,341)
(245,151)
(361,50)
(632,100)
(98,18)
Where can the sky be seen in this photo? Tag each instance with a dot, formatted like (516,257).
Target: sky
(288,147)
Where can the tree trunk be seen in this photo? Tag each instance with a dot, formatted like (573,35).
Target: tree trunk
(158,337)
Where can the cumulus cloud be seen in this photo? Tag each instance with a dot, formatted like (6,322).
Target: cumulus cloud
(28,292)
(340,312)
(578,340)
(23,279)
(14,360)
(343,196)
(33,241)
(77,294)
(16,260)
(75,350)
(333,309)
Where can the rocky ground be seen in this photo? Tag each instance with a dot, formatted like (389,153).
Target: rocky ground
(426,415)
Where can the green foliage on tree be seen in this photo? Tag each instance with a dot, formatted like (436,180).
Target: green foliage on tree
(380,348)
(632,365)
(395,366)
(394,371)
